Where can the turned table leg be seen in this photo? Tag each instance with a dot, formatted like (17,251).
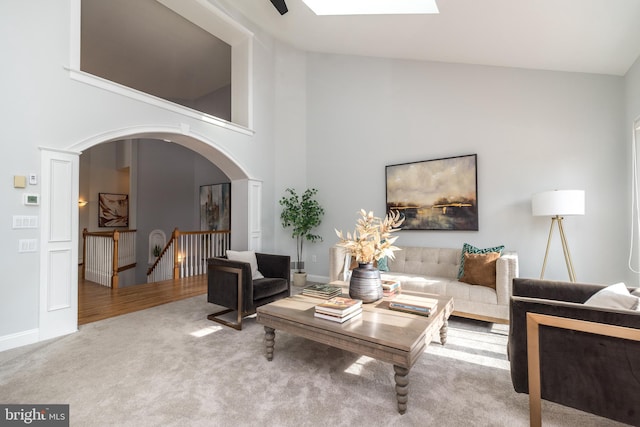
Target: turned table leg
(443,332)
(402,387)
(269,340)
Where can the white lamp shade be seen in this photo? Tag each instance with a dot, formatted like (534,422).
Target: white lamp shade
(558,202)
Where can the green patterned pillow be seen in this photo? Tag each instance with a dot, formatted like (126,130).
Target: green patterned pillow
(467,248)
(382,264)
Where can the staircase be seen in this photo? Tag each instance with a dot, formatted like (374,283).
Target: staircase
(186,254)
(107,253)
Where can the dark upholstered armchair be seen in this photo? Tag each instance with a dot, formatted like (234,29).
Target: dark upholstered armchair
(591,372)
(230,285)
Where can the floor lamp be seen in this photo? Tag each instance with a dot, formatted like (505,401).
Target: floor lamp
(557,204)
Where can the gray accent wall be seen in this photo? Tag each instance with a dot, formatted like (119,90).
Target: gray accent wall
(169,180)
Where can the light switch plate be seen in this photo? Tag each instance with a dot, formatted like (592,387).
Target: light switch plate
(28,245)
(33,179)
(25,221)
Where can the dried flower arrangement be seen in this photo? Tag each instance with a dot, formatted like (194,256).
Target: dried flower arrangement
(372,240)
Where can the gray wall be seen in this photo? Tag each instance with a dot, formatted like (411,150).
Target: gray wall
(169,180)
(532,131)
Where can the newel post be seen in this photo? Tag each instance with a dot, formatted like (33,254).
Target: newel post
(176,253)
(84,252)
(114,277)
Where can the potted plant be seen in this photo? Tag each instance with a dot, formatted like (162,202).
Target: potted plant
(157,250)
(302,214)
(371,241)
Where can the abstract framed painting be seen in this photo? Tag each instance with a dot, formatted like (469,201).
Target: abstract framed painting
(439,194)
(215,207)
(113,210)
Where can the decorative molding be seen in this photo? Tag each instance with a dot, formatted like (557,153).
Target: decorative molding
(19,339)
(119,89)
(210,19)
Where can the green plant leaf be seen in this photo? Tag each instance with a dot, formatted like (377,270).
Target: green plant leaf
(302,214)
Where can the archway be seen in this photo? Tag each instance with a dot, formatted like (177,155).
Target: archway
(58,264)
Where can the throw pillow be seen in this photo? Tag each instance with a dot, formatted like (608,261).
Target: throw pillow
(467,248)
(382,264)
(480,269)
(614,296)
(246,256)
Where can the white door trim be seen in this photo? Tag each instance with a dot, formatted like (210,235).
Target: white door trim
(58,313)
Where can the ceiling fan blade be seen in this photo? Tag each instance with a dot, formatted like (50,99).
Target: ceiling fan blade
(280,5)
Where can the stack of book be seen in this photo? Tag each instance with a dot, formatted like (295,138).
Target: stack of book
(414,305)
(390,287)
(322,291)
(339,309)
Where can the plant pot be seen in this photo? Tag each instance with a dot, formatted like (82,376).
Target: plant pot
(299,279)
(365,283)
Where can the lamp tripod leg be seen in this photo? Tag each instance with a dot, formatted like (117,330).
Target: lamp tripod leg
(567,254)
(546,253)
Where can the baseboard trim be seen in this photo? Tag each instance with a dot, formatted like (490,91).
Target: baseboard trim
(7,342)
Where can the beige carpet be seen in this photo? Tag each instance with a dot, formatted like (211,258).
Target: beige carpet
(170,366)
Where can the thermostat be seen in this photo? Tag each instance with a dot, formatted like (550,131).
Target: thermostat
(32,199)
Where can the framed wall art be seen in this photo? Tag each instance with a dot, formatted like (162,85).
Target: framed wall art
(439,194)
(215,207)
(113,210)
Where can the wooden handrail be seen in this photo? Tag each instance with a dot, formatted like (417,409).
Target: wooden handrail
(188,250)
(166,247)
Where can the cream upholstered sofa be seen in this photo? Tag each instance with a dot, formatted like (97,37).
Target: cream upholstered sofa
(435,270)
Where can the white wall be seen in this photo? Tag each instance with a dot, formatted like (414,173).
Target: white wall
(344,118)
(532,131)
(632,98)
(291,158)
(45,107)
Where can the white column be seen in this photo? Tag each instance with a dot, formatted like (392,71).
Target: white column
(246,214)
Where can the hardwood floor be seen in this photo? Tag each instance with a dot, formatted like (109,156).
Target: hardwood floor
(96,302)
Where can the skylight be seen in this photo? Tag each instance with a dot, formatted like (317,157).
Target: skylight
(371,7)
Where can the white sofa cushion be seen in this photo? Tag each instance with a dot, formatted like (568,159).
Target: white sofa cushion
(614,296)
(246,256)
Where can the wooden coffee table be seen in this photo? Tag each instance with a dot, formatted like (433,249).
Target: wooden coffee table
(390,336)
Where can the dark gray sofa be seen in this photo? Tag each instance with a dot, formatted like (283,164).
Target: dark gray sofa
(592,373)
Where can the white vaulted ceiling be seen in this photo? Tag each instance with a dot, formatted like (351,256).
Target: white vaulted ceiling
(593,36)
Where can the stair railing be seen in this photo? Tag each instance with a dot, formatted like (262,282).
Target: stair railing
(186,254)
(106,253)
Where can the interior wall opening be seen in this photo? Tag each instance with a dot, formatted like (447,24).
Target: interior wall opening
(146,46)
(161,182)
